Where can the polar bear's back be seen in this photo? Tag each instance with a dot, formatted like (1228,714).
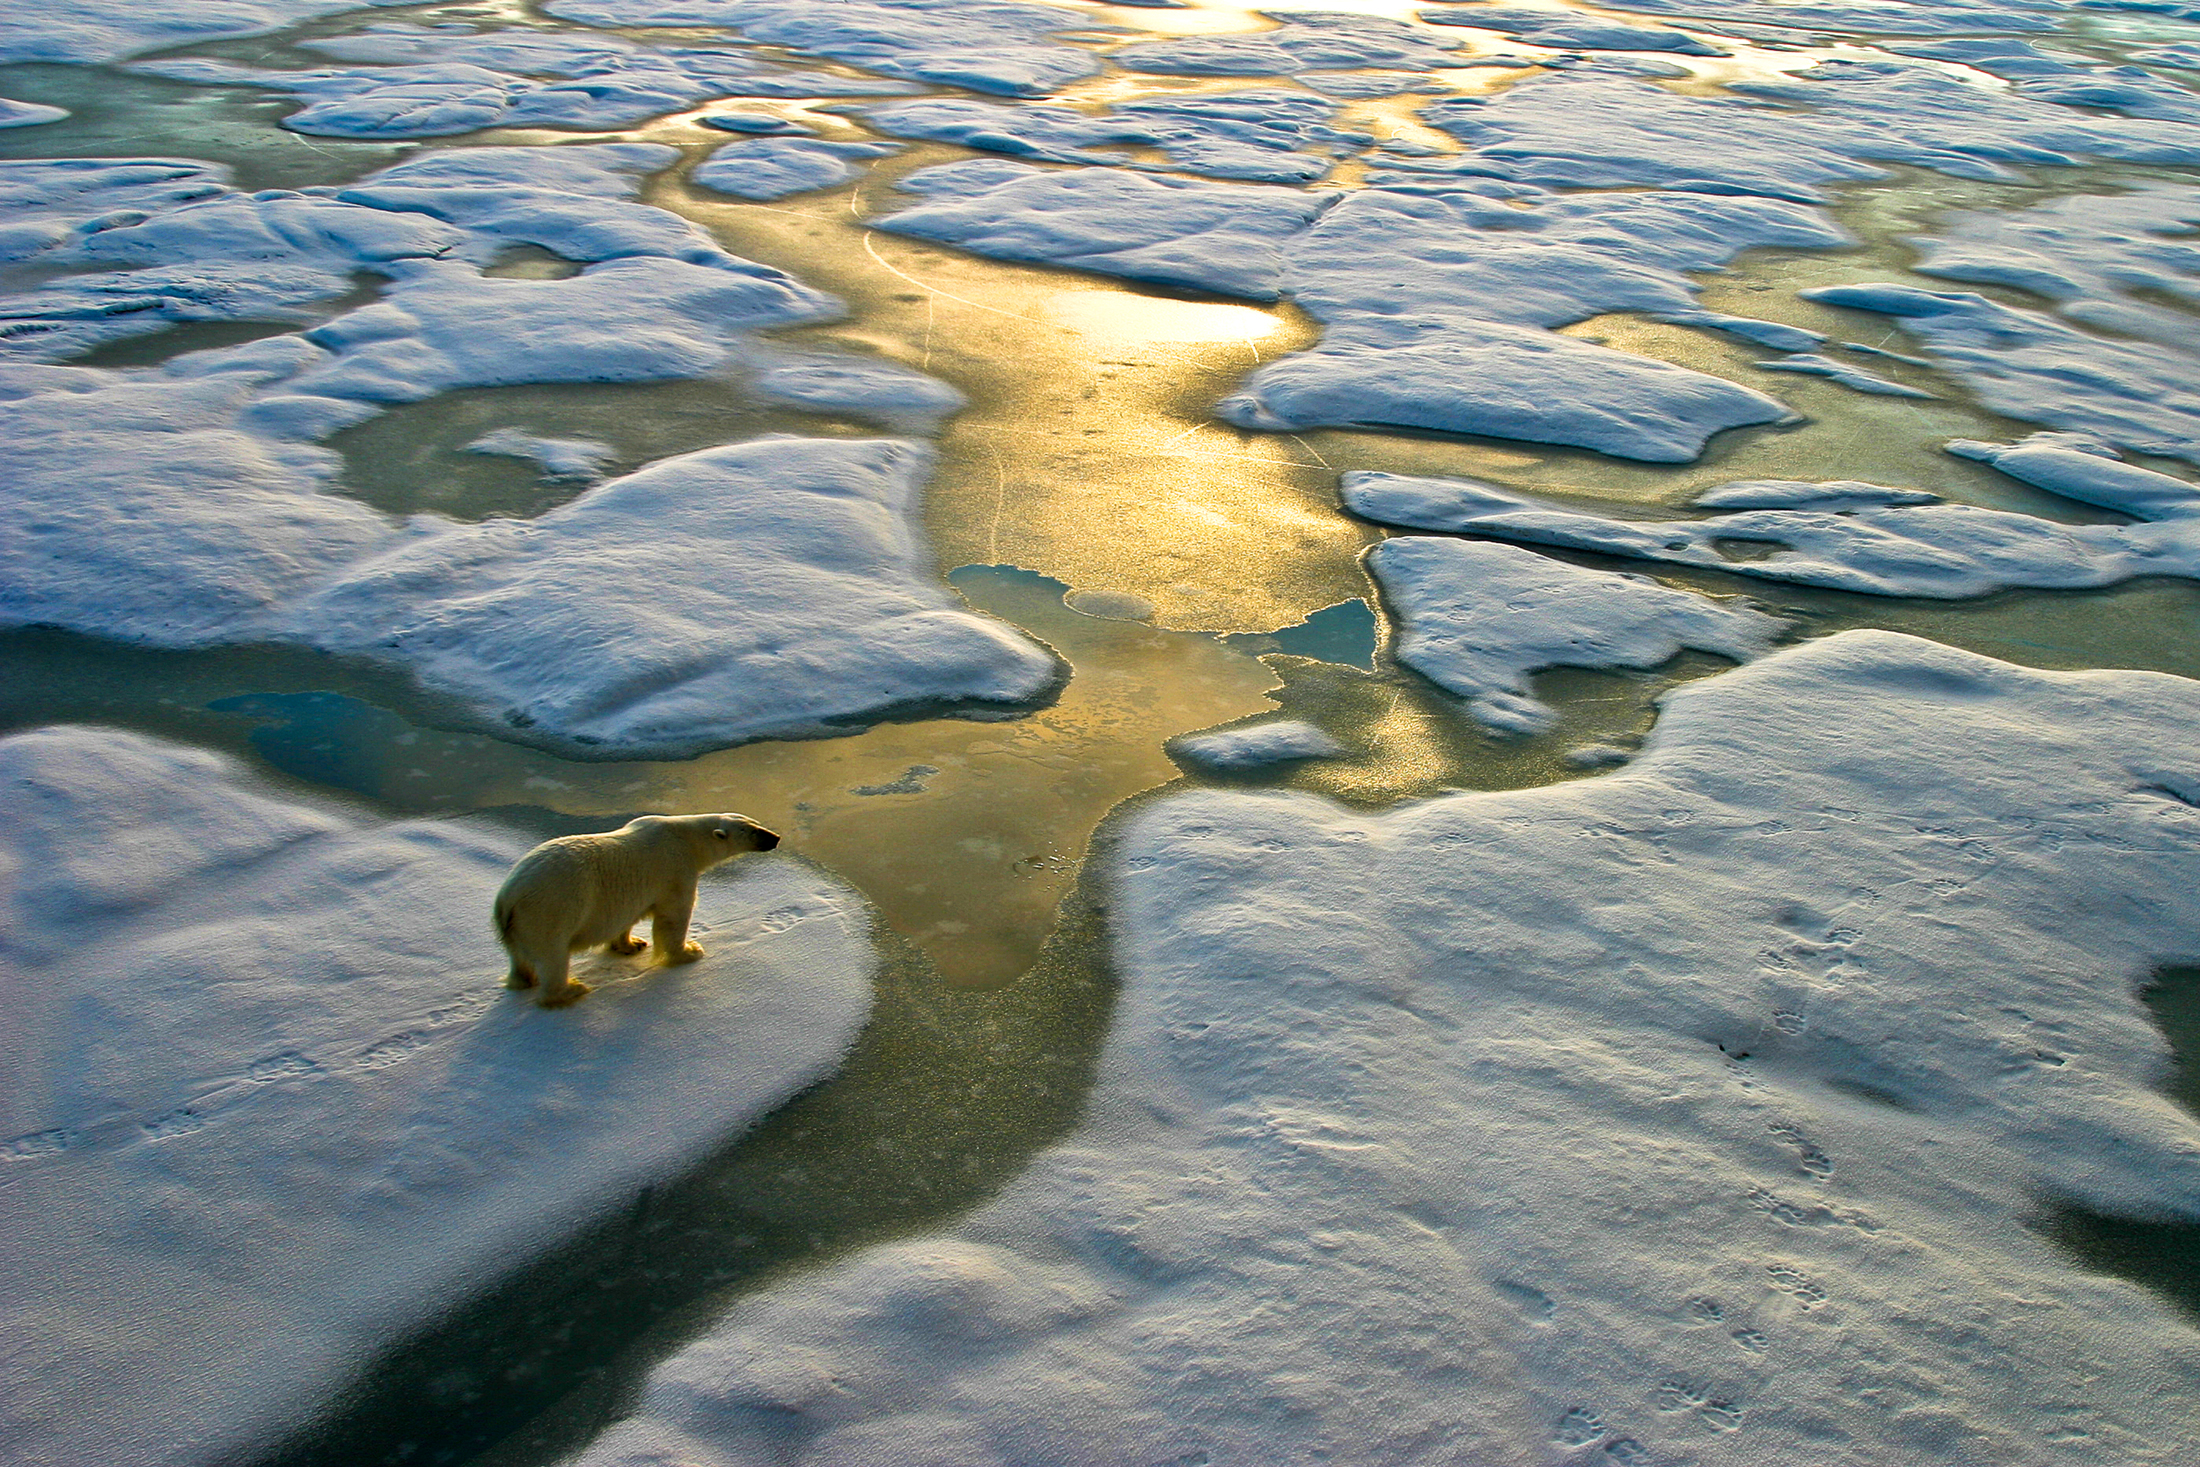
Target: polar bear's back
(588,889)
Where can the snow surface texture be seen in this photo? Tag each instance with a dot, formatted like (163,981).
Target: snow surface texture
(2036,367)
(767,589)
(180,245)
(1267,136)
(558,458)
(100,30)
(1890,17)
(593,84)
(271,1110)
(1589,130)
(984,45)
(773,168)
(1284,741)
(1427,1135)
(1432,303)
(28,114)
(1476,619)
(1569,30)
(770,588)
(1855,537)
(1305,41)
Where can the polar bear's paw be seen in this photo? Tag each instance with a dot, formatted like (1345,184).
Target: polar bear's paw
(519,978)
(573,992)
(626,945)
(688,953)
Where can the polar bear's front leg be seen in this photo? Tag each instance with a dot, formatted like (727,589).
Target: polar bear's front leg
(668,927)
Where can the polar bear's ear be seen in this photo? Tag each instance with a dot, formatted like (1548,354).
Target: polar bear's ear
(719,831)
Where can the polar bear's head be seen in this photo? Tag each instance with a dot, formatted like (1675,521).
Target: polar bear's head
(714,838)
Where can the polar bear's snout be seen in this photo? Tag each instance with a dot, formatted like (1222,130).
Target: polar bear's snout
(586,891)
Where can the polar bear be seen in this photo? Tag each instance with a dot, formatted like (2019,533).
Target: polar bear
(584,891)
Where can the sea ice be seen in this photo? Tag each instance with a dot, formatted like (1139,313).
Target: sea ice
(1280,741)
(2034,367)
(773,168)
(270,1110)
(1305,41)
(1689,1113)
(985,45)
(1167,230)
(28,114)
(1428,300)
(770,589)
(2098,257)
(558,458)
(1875,17)
(1848,374)
(1570,30)
(1879,542)
(1267,136)
(98,30)
(1477,619)
(1589,130)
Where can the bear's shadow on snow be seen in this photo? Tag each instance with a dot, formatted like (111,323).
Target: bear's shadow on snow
(2157,1255)
(944,1098)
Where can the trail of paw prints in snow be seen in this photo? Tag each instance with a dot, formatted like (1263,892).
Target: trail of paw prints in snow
(284,1067)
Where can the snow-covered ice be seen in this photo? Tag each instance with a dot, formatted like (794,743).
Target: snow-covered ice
(28,114)
(772,168)
(1848,374)
(270,1110)
(2038,368)
(1587,129)
(589,85)
(99,30)
(1849,536)
(1267,136)
(558,458)
(1570,30)
(1279,741)
(1168,230)
(987,46)
(1689,1113)
(1430,303)
(1304,41)
(1477,619)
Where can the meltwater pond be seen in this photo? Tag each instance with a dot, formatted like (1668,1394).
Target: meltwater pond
(1266,1009)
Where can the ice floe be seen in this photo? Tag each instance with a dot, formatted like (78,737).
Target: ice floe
(592,85)
(1280,741)
(1570,30)
(771,588)
(1477,619)
(558,458)
(2035,367)
(1850,536)
(1589,130)
(1848,374)
(2090,254)
(1268,136)
(271,1111)
(1430,303)
(989,46)
(1888,17)
(1168,230)
(772,168)
(1690,1113)
(1304,41)
(96,30)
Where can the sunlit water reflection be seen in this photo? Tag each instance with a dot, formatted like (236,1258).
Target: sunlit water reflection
(1088,461)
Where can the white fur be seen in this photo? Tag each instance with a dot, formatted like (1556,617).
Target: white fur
(584,891)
